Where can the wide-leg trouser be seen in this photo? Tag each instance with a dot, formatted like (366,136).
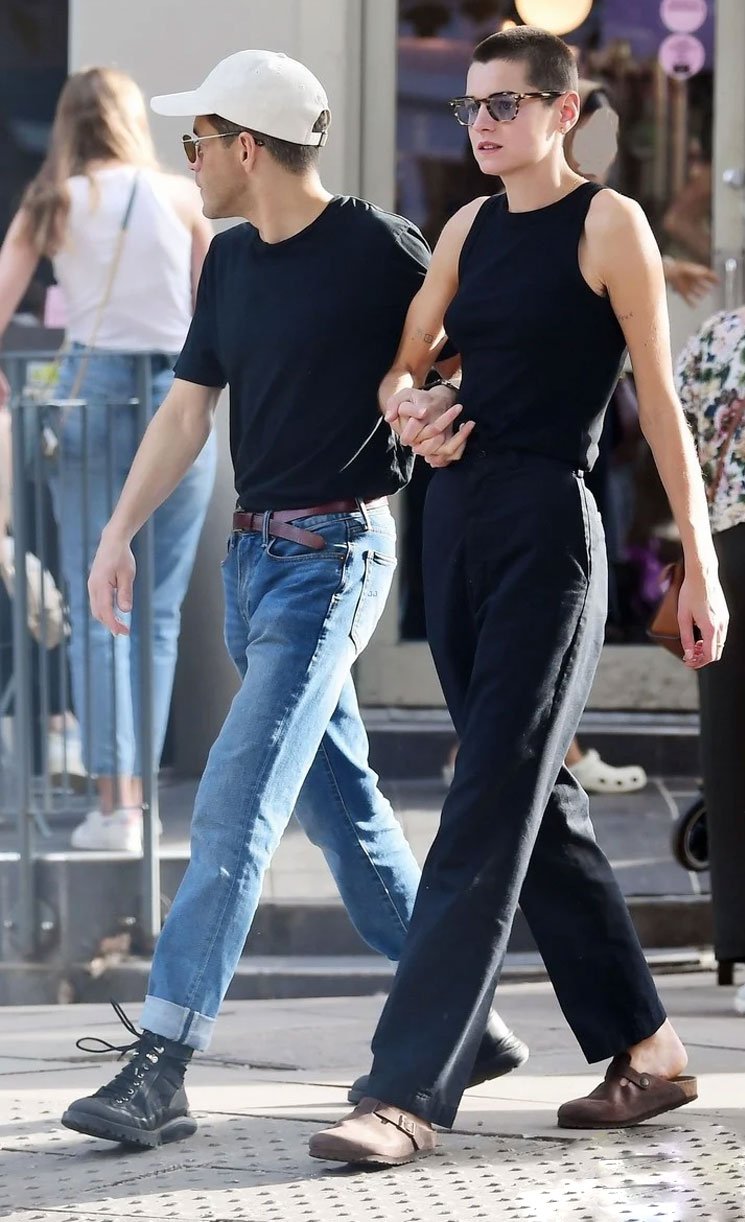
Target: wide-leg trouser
(515,586)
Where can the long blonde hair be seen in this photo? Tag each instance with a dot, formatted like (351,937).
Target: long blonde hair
(100,117)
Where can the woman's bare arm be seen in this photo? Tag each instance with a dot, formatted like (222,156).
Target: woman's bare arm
(18,261)
(622,247)
(424,419)
(423,335)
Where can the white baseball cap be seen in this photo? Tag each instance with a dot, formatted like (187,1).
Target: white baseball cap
(264,90)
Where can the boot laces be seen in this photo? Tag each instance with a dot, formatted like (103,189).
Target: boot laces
(146,1051)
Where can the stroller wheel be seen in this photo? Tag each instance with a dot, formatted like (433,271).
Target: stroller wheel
(690,839)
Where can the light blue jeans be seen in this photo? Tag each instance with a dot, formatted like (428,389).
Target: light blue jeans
(295,621)
(98,442)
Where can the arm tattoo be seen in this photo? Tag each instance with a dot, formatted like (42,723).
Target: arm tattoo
(425,336)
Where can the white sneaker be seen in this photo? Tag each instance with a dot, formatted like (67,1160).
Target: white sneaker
(595,776)
(119,832)
(739,1000)
(64,755)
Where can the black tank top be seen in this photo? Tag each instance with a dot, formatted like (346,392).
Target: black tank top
(541,351)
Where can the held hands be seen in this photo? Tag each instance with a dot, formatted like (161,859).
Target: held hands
(425,420)
(702,604)
(110,584)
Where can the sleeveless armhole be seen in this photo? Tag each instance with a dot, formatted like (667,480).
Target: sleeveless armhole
(476,225)
(584,202)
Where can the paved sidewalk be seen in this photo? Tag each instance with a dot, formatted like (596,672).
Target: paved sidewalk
(277,1070)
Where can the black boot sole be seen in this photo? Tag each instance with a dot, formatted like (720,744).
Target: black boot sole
(514,1054)
(128,1135)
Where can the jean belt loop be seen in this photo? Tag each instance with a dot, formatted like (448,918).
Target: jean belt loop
(365,512)
(265,528)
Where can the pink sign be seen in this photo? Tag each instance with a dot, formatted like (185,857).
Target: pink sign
(682,55)
(683,16)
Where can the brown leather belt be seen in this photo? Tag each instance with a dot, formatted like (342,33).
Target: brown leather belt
(279,524)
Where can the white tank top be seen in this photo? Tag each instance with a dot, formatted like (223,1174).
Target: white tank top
(150,306)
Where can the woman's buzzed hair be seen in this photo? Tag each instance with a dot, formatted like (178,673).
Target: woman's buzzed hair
(550,62)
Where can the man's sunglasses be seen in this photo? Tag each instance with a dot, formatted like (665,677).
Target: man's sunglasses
(192,144)
(503,107)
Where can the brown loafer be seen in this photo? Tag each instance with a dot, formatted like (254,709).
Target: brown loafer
(374,1133)
(625,1098)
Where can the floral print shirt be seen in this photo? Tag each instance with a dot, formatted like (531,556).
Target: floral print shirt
(710,374)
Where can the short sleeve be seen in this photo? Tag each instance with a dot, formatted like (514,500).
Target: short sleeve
(199,360)
(416,254)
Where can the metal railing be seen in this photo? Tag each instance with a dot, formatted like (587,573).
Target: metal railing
(28,795)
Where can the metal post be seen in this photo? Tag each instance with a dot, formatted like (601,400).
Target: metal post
(39,546)
(23,713)
(150,915)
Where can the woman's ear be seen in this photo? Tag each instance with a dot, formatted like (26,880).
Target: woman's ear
(569,112)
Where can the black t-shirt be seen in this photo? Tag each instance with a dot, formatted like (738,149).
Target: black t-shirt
(303,332)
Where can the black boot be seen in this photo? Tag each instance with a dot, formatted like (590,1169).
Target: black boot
(499,1053)
(145,1104)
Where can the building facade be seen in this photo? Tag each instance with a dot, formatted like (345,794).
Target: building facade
(388,67)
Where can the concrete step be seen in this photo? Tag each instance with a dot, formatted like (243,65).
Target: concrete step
(265,977)
(88,905)
(414,743)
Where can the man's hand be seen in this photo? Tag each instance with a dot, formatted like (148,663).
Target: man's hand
(701,603)
(110,583)
(438,444)
(410,410)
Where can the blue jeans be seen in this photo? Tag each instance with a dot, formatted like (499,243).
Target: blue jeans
(97,445)
(296,620)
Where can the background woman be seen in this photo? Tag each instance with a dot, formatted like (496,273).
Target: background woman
(711,385)
(127,242)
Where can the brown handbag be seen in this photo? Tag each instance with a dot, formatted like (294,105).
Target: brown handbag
(664,629)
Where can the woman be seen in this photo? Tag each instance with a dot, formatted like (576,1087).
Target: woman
(590,148)
(541,290)
(711,384)
(127,241)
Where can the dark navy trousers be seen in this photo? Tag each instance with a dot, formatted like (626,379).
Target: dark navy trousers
(515,588)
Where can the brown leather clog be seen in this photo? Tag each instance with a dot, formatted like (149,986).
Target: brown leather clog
(376,1134)
(626,1097)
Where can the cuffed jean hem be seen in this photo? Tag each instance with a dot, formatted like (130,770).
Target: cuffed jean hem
(177,1023)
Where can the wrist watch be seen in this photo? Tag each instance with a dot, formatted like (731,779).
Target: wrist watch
(444,382)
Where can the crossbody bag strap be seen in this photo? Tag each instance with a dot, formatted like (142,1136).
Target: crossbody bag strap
(106,297)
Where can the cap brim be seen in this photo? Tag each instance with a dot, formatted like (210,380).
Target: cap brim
(191,103)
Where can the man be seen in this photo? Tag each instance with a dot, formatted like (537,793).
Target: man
(299,312)
(540,290)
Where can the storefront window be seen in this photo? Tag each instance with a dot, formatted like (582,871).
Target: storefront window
(660,83)
(33,67)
